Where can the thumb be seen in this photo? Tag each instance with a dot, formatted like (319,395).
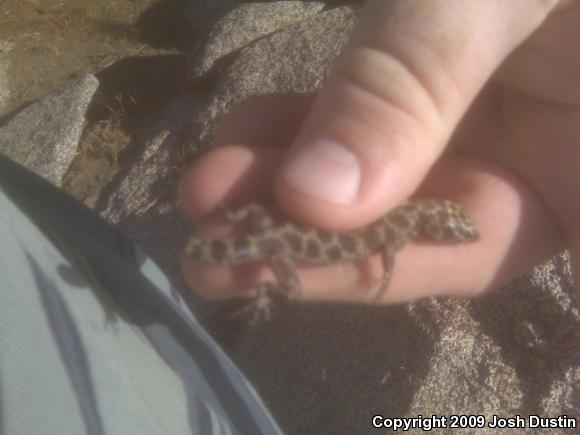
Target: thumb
(395,96)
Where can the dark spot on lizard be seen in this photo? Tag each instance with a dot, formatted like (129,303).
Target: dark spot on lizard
(399,220)
(218,250)
(389,232)
(371,238)
(324,236)
(333,253)
(442,216)
(312,248)
(347,243)
(293,240)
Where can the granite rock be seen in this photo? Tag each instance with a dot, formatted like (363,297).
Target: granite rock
(243,25)
(44,136)
(5,47)
(295,59)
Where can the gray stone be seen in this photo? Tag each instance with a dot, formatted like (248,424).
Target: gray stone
(154,174)
(243,25)
(515,351)
(44,136)
(5,47)
(253,72)
(144,198)
(143,203)
(295,59)
(271,64)
(4,88)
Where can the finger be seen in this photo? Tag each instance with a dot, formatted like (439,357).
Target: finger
(226,177)
(507,216)
(264,120)
(395,96)
(249,143)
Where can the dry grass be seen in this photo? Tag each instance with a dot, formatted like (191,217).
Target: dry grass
(97,160)
(48,44)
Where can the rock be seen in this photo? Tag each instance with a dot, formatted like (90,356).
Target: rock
(505,353)
(5,47)
(295,59)
(4,89)
(514,351)
(143,203)
(153,174)
(254,71)
(243,25)
(44,136)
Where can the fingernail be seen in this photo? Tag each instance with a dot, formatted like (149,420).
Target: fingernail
(324,170)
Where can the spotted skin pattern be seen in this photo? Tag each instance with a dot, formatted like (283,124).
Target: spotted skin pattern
(286,244)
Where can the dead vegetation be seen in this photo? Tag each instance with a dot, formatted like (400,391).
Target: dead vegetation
(47,45)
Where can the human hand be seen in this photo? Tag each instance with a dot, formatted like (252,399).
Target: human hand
(477,102)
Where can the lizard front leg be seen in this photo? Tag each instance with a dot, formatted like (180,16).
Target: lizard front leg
(287,283)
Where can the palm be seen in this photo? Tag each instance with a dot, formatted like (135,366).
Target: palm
(528,118)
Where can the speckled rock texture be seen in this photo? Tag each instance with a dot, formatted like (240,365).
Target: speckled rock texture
(5,46)
(44,136)
(295,59)
(243,25)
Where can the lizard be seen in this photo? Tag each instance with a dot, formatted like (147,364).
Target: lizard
(285,244)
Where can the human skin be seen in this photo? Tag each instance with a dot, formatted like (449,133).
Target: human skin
(469,100)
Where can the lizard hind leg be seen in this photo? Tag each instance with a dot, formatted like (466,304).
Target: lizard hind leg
(261,305)
(388,259)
